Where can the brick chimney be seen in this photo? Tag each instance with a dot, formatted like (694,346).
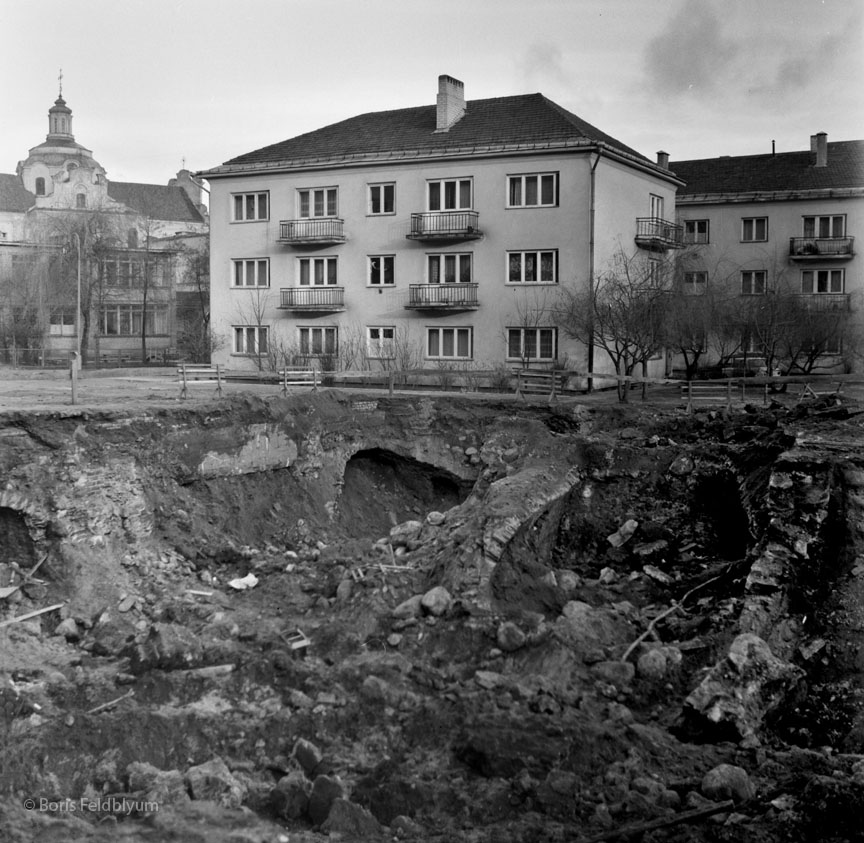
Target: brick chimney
(663,159)
(451,102)
(821,149)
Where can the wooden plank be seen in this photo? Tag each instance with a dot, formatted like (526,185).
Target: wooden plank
(34,614)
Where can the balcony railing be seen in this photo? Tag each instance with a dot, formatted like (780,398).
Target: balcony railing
(312,231)
(657,234)
(321,299)
(445,225)
(820,248)
(443,297)
(825,301)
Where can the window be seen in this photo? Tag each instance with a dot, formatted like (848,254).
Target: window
(822,281)
(126,272)
(834,226)
(656,206)
(132,238)
(250,339)
(251,273)
(695,282)
(119,320)
(382,198)
(753,282)
(449,195)
(62,323)
(449,268)
(320,202)
(381,270)
(754,229)
(695,231)
(653,272)
(80,200)
(317,272)
(532,267)
(40,186)
(449,343)
(380,342)
(315,342)
(532,191)
(532,344)
(251,206)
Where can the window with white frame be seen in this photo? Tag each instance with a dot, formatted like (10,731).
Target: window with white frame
(449,268)
(754,229)
(753,282)
(539,344)
(696,231)
(449,343)
(250,339)
(381,270)
(380,341)
(123,272)
(825,227)
(382,198)
(129,320)
(822,281)
(317,272)
(61,322)
(251,206)
(532,190)
(449,194)
(251,272)
(534,267)
(656,206)
(318,342)
(318,202)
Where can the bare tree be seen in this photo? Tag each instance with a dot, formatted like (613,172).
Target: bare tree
(251,312)
(622,310)
(534,313)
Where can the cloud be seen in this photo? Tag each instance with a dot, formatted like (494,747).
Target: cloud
(691,54)
(542,67)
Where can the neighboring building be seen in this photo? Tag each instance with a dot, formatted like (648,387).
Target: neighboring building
(426,236)
(128,247)
(781,224)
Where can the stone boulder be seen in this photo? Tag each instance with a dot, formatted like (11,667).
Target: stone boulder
(726,781)
(406,534)
(351,821)
(213,781)
(325,791)
(150,784)
(168,646)
(436,601)
(742,689)
(290,796)
(308,756)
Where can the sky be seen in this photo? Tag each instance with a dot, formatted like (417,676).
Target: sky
(156,84)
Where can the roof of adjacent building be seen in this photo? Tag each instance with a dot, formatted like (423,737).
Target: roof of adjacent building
(13,195)
(782,172)
(159,201)
(504,122)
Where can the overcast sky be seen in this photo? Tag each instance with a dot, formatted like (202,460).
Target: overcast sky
(154,82)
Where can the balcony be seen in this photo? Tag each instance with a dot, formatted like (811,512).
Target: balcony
(313,299)
(820,248)
(448,297)
(658,234)
(445,225)
(312,232)
(823,302)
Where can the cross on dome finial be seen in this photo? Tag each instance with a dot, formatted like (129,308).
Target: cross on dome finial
(60,80)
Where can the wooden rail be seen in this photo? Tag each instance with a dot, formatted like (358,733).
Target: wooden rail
(540,382)
(298,377)
(201,373)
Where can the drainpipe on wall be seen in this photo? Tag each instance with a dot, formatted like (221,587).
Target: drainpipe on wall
(591,211)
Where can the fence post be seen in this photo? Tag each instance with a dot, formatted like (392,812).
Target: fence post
(390,383)
(314,379)
(690,397)
(184,392)
(219,379)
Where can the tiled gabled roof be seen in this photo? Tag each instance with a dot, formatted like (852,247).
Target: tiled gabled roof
(785,171)
(158,201)
(523,120)
(13,195)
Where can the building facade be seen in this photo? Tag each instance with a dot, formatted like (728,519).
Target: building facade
(89,263)
(430,236)
(776,233)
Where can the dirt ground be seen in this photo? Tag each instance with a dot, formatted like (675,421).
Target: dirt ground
(467,618)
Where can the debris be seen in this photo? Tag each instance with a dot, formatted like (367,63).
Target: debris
(665,822)
(34,614)
(623,533)
(213,780)
(111,704)
(656,573)
(296,641)
(436,601)
(243,583)
(510,638)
